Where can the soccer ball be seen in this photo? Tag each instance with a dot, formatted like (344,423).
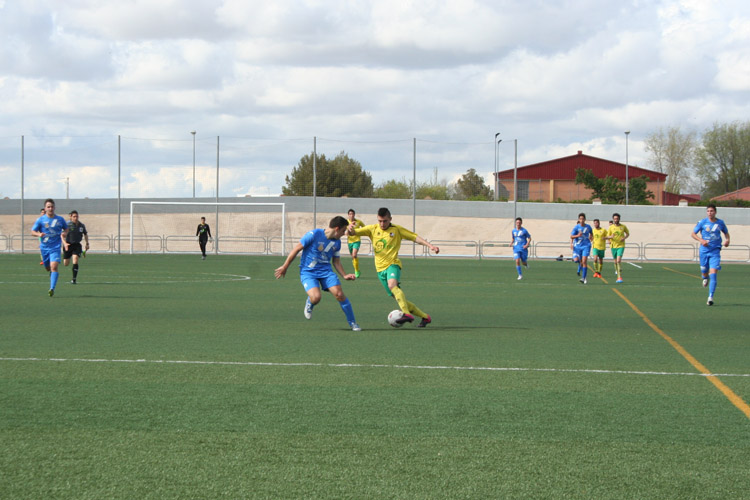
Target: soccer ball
(393,318)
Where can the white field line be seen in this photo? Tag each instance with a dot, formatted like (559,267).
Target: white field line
(361,365)
(635,265)
(161,280)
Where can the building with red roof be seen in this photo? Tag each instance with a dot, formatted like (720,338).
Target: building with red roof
(740,194)
(554,180)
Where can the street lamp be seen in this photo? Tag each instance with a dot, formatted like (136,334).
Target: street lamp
(496,183)
(193,132)
(627,183)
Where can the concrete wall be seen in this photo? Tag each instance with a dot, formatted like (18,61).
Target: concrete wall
(448,222)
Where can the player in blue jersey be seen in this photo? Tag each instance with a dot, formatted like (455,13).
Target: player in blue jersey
(51,230)
(581,238)
(708,233)
(321,249)
(520,241)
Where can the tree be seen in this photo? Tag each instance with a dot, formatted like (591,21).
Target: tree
(637,192)
(394,189)
(672,152)
(433,189)
(342,176)
(471,186)
(723,161)
(610,190)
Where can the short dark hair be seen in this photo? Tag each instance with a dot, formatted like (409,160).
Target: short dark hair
(584,215)
(710,205)
(596,220)
(338,222)
(618,215)
(49,200)
(73,212)
(518,218)
(352,211)
(384,212)
(203,218)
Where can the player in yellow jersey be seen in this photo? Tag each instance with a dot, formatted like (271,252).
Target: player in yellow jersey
(617,234)
(598,248)
(386,241)
(354,241)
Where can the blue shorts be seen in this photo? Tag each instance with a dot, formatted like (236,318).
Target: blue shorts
(50,255)
(580,252)
(710,259)
(318,280)
(521,254)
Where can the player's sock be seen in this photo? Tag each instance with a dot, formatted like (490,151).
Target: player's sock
(518,268)
(346,306)
(53,279)
(355,263)
(75,271)
(619,269)
(415,311)
(712,284)
(398,294)
(579,268)
(585,271)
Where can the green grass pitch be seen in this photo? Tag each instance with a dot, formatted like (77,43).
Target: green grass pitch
(170,377)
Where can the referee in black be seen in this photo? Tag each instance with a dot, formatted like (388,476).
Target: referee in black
(203,233)
(72,244)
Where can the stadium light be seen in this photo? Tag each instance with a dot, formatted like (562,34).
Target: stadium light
(193,132)
(515,177)
(627,183)
(496,183)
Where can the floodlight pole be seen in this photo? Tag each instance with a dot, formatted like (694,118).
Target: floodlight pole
(193,132)
(495,143)
(627,182)
(515,177)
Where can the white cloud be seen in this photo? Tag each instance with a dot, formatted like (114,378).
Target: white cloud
(556,76)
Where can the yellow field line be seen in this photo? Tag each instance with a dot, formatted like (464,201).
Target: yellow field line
(730,395)
(686,274)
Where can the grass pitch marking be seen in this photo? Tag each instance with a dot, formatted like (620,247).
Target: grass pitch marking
(363,365)
(712,377)
(158,280)
(685,274)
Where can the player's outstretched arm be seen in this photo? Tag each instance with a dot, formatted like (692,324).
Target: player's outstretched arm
(427,244)
(280,272)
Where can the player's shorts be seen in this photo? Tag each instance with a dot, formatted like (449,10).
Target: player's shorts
(595,252)
(617,252)
(521,254)
(710,259)
(317,280)
(50,255)
(353,246)
(393,272)
(580,252)
(73,249)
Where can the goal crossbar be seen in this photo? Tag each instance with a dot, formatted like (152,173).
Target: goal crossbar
(133,204)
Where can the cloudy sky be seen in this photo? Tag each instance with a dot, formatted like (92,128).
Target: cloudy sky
(363,77)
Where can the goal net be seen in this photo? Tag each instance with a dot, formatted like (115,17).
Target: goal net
(236,228)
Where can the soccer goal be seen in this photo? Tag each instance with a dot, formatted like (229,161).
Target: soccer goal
(236,228)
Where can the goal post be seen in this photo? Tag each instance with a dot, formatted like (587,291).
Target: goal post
(236,228)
